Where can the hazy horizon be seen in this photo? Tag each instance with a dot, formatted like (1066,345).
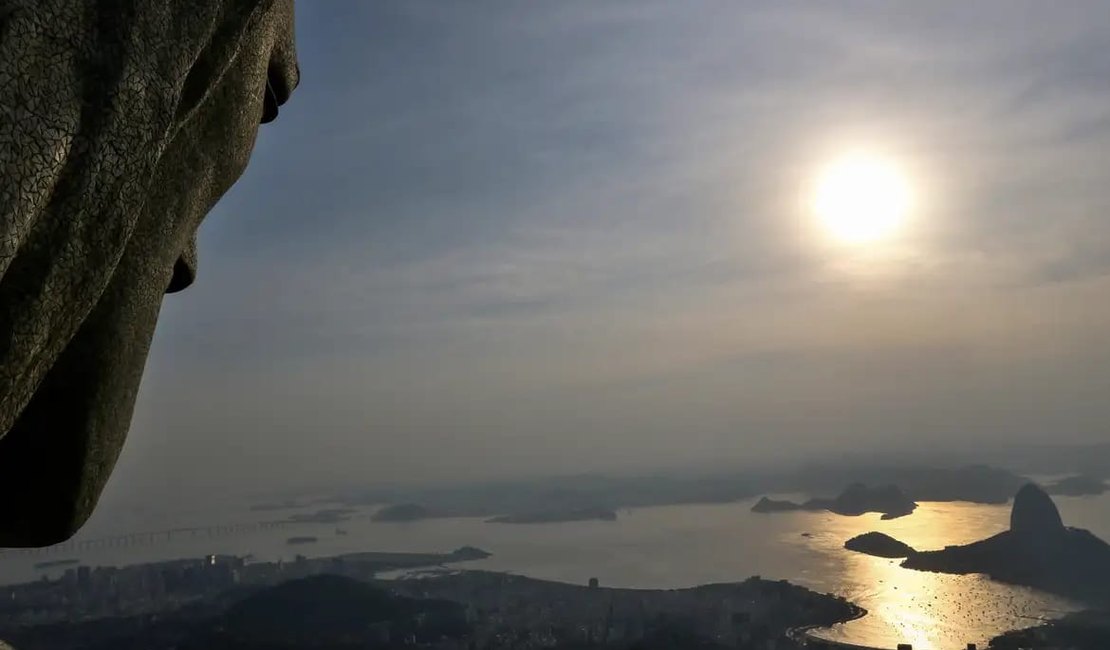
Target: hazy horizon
(493,240)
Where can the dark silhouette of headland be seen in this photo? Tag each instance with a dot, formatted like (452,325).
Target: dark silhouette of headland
(855,500)
(1037,551)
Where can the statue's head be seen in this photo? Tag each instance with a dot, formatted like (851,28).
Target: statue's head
(100,200)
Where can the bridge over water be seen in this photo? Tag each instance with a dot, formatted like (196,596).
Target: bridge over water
(146,538)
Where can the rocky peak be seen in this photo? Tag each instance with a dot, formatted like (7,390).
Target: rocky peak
(1034,512)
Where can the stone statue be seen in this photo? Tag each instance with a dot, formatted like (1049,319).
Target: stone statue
(121,123)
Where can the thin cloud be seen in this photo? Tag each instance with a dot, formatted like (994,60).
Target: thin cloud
(518,233)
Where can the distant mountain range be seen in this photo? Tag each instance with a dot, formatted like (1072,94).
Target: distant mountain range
(536,500)
(552,495)
(556,516)
(973,483)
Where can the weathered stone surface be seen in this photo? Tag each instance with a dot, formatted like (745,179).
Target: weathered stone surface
(121,123)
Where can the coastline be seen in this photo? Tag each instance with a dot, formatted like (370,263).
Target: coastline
(779,545)
(805,635)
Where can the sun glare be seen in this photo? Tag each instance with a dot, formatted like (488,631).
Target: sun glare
(861,199)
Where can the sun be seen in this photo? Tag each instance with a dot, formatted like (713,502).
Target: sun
(861,198)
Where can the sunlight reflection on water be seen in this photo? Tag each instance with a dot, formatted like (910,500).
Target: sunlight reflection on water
(931,611)
(680,546)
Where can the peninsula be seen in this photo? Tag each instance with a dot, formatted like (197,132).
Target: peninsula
(1037,551)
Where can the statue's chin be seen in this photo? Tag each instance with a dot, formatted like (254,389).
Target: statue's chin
(57,458)
(41,463)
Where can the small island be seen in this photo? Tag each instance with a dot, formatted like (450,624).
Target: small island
(325,516)
(879,545)
(767,505)
(385,561)
(401,512)
(557,516)
(466,554)
(855,500)
(1077,486)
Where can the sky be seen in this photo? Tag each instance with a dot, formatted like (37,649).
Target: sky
(502,239)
